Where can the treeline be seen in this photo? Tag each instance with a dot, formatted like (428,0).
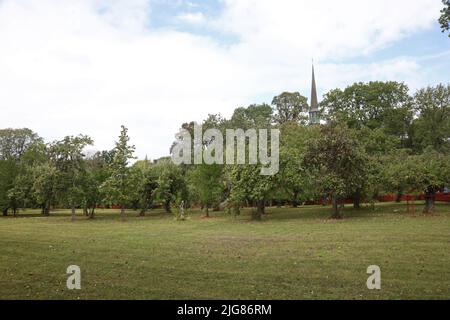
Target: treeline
(375,139)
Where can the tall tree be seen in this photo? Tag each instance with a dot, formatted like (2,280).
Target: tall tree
(116,187)
(144,183)
(8,172)
(253,117)
(170,181)
(289,107)
(14,144)
(247,183)
(45,181)
(432,127)
(375,105)
(68,157)
(96,173)
(340,163)
(295,178)
(207,183)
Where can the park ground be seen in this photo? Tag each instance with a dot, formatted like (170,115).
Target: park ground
(292,254)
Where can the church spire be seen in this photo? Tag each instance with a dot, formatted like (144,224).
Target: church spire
(314,111)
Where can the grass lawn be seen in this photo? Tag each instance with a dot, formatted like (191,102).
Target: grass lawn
(291,254)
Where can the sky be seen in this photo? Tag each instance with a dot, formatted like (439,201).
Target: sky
(89,66)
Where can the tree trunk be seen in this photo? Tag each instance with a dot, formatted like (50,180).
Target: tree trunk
(357,200)
(336,213)
(398,197)
(73,213)
(144,209)
(167,206)
(207,211)
(5,212)
(122,212)
(92,213)
(260,208)
(294,200)
(430,198)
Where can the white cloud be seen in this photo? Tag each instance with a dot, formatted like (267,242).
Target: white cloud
(325,28)
(192,18)
(69,67)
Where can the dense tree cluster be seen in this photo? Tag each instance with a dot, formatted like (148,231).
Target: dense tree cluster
(374,139)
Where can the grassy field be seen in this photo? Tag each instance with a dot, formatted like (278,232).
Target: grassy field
(292,254)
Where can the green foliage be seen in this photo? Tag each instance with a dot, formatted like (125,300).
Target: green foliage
(18,147)
(295,176)
(15,142)
(340,163)
(144,184)
(68,158)
(252,117)
(432,127)
(385,105)
(289,107)
(378,140)
(426,173)
(249,185)
(45,184)
(116,188)
(171,184)
(207,184)
(8,172)
(444,19)
(96,173)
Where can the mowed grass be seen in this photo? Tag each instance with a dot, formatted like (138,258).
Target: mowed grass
(292,254)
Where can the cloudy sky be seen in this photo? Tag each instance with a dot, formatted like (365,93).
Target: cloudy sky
(88,66)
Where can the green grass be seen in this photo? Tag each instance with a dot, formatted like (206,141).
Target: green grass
(292,254)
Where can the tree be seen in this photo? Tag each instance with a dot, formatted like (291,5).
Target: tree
(395,168)
(8,172)
(444,19)
(170,181)
(433,175)
(68,157)
(144,183)
(116,187)
(289,107)
(376,144)
(14,144)
(340,163)
(96,173)
(253,117)
(432,127)
(45,177)
(375,105)
(295,177)
(425,173)
(206,181)
(248,184)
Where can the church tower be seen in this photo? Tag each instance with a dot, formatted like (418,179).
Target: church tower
(314,117)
